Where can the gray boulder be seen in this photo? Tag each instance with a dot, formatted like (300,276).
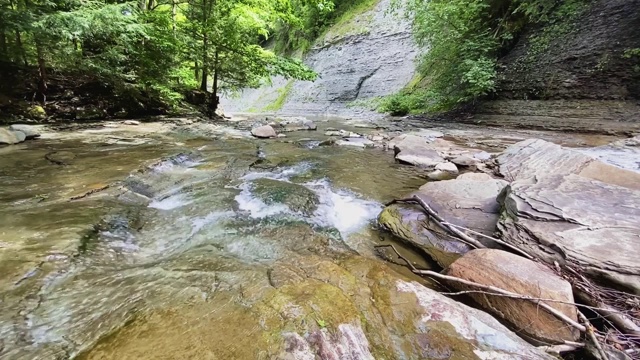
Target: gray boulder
(264,132)
(468,201)
(564,206)
(415,150)
(20,136)
(29,131)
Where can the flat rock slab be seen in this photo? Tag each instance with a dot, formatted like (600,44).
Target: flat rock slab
(469,201)
(568,207)
(451,330)
(521,276)
(415,150)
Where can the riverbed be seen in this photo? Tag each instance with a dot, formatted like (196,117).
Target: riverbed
(154,241)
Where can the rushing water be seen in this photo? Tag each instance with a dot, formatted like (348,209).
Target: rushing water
(184,240)
(158,246)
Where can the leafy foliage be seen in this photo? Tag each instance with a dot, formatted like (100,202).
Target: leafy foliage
(464,39)
(310,19)
(158,47)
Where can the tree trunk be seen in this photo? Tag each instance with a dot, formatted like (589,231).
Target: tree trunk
(205,47)
(150,5)
(42,72)
(215,99)
(3,45)
(173,17)
(23,53)
(205,72)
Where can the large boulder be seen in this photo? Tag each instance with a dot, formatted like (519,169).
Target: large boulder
(29,131)
(8,137)
(468,201)
(521,276)
(564,206)
(264,132)
(297,197)
(415,150)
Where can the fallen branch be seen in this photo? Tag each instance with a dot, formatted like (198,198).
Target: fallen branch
(559,349)
(617,318)
(502,292)
(440,221)
(503,243)
(592,335)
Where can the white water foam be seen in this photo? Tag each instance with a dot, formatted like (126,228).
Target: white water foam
(171,202)
(340,209)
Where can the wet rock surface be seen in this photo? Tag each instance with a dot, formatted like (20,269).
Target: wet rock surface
(520,276)
(468,201)
(297,197)
(172,251)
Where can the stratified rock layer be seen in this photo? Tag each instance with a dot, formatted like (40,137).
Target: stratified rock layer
(567,207)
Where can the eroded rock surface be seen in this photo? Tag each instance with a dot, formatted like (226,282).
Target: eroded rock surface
(521,276)
(468,201)
(568,207)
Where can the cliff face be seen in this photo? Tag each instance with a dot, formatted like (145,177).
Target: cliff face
(371,56)
(585,61)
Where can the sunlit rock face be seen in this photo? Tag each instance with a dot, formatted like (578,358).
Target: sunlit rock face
(371,56)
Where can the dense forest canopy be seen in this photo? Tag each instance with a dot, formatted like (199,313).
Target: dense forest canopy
(152,46)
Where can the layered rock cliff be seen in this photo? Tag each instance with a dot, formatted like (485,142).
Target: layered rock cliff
(371,56)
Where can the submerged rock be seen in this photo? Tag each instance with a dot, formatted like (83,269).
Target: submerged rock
(521,276)
(357,142)
(468,201)
(567,207)
(264,132)
(297,197)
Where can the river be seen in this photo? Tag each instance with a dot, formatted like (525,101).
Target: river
(147,242)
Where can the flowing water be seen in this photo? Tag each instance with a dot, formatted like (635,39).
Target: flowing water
(179,250)
(149,247)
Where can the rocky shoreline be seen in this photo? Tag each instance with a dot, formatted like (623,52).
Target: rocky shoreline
(567,224)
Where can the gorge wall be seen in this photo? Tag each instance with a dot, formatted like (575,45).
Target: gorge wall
(370,56)
(577,76)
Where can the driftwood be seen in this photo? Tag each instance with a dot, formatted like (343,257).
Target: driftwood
(501,292)
(592,336)
(437,219)
(584,289)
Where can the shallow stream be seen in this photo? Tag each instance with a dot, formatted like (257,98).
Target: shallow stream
(188,248)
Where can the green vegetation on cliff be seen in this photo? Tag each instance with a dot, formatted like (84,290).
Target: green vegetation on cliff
(464,39)
(312,19)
